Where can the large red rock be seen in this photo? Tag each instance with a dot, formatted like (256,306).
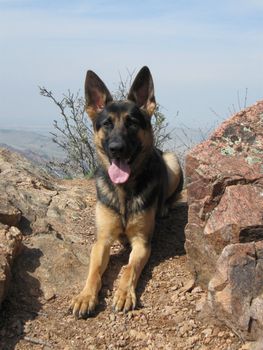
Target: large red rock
(225,197)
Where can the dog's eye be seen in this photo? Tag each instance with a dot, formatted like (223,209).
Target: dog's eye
(131,123)
(107,124)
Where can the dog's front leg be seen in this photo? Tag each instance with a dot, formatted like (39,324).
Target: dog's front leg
(139,231)
(109,227)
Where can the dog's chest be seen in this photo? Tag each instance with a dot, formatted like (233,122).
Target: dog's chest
(128,200)
(130,203)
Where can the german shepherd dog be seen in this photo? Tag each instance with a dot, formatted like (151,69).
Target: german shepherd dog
(134,182)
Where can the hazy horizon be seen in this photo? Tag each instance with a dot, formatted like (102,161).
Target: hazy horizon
(201,54)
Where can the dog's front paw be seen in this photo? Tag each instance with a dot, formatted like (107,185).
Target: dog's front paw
(124,300)
(83,305)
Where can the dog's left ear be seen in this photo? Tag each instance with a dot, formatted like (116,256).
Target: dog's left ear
(97,94)
(142,91)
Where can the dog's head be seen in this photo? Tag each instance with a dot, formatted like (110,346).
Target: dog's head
(123,132)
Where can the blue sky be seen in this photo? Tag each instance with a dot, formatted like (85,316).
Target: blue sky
(201,53)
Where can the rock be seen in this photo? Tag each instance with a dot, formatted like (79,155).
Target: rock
(29,189)
(112,317)
(10,246)
(207,332)
(200,304)
(253,345)
(38,200)
(138,335)
(47,208)
(196,290)
(225,198)
(235,291)
(189,286)
(48,257)
(9,215)
(258,345)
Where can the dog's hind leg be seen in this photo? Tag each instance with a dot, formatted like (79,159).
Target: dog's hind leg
(139,231)
(172,186)
(109,227)
(174,172)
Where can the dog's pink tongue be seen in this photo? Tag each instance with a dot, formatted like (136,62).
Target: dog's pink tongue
(119,171)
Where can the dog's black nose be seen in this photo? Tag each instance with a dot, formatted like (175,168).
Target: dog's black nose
(116,148)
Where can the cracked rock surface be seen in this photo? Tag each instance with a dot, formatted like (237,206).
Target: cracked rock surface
(224,234)
(34,204)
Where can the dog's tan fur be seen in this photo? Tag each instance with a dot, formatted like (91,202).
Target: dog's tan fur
(138,226)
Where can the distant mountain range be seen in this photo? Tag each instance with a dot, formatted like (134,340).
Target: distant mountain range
(38,148)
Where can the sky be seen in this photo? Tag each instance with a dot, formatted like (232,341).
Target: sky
(202,54)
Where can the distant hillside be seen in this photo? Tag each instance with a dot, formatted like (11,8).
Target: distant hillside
(38,148)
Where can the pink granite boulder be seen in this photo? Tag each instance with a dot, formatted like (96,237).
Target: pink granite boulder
(225,224)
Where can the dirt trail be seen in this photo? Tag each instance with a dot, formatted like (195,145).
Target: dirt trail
(35,317)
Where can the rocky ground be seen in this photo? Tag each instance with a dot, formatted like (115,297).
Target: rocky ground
(52,268)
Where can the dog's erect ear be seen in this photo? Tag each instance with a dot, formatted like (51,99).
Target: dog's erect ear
(96,93)
(142,91)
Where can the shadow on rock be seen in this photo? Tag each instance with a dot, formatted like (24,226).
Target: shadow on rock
(22,304)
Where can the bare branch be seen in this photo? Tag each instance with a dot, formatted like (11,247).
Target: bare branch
(74,133)
(245,99)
